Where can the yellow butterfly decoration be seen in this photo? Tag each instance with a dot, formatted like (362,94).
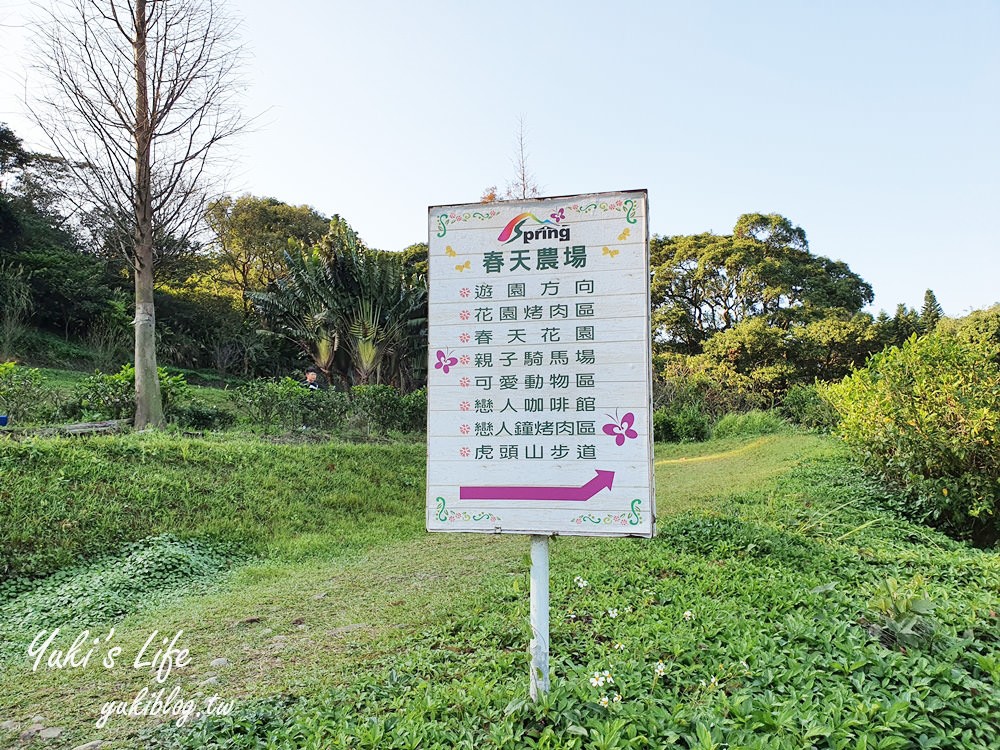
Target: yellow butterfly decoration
(449,252)
(609,251)
(624,235)
(463,266)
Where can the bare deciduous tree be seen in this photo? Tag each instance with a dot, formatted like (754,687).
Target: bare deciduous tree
(137,94)
(523,185)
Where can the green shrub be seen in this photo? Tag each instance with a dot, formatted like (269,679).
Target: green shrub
(978,327)
(680,380)
(325,409)
(22,393)
(173,388)
(201,416)
(266,403)
(749,423)
(413,413)
(380,406)
(109,396)
(104,396)
(804,406)
(926,416)
(684,424)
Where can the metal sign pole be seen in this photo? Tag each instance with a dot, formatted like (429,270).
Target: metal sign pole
(539,598)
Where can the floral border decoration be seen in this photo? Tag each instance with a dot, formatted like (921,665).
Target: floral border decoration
(631,518)
(451,516)
(628,206)
(445,220)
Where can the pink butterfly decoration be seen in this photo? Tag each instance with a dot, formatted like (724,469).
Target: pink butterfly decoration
(559,215)
(622,429)
(445,363)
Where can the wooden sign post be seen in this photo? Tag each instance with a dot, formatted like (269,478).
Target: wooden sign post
(539,379)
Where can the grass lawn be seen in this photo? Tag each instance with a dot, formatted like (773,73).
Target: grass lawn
(63,381)
(775,609)
(700,476)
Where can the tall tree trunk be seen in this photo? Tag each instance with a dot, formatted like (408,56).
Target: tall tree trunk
(148,403)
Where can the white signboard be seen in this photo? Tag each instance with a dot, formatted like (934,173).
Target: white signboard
(539,418)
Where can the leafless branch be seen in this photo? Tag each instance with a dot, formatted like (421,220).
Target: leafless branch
(87,104)
(523,185)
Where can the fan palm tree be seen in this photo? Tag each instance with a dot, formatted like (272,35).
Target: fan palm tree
(358,313)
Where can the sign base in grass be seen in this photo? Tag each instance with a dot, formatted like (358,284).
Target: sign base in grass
(539,377)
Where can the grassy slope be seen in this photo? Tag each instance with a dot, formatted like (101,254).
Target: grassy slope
(447,613)
(63,499)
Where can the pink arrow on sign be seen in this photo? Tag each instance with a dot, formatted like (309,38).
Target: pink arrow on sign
(603,480)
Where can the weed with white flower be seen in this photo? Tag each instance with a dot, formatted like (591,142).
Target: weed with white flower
(599,679)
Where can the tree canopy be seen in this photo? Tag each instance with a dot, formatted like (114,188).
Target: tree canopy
(252,234)
(705,284)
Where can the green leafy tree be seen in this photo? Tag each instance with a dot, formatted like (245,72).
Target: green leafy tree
(980,327)
(705,284)
(830,348)
(693,296)
(69,286)
(12,153)
(251,237)
(769,359)
(905,323)
(415,259)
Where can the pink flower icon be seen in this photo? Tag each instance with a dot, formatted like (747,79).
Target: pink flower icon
(464,359)
(464,452)
(465,315)
(622,429)
(444,362)
(465,429)
(464,292)
(465,382)
(465,406)
(464,338)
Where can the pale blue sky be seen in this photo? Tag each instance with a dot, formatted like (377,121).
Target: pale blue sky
(875,126)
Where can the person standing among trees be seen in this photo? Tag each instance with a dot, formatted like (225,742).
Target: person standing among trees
(312,381)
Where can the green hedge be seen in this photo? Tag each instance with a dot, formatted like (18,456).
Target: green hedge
(926,416)
(372,409)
